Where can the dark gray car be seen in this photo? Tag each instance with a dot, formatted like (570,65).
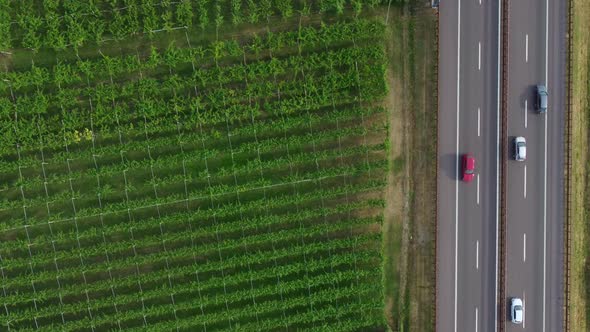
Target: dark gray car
(541,103)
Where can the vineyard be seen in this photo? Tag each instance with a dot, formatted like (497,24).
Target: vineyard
(234,184)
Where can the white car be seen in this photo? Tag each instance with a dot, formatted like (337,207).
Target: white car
(520,149)
(516,310)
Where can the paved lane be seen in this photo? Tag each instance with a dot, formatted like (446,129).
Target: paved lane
(468,123)
(535,196)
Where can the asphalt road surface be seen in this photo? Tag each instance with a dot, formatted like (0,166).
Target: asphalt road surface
(535,199)
(468,123)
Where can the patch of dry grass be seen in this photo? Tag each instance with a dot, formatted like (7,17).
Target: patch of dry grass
(580,274)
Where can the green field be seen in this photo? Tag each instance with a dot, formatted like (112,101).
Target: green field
(192,166)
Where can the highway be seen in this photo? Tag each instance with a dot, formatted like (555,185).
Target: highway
(469,120)
(468,123)
(535,201)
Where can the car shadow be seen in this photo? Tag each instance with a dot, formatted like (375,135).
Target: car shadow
(508,313)
(510,149)
(449,166)
(529,95)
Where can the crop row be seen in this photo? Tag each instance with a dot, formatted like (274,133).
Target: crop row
(122,284)
(105,69)
(226,209)
(185,255)
(88,237)
(226,107)
(222,210)
(255,149)
(40,103)
(156,313)
(127,255)
(190,139)
(27,133)
(97,20)
(203,234)
(348,317)
(111,67)
(191,289)
(331,317)
(189,169)
(87,202)
(151,109)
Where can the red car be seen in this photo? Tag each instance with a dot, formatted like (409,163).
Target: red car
(468,167)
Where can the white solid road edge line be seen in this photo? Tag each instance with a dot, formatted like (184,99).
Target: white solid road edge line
(497,164)
(457,156)
(545,223)
(545,168)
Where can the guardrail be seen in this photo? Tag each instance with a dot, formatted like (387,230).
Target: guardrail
(568,169)
(503,145)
